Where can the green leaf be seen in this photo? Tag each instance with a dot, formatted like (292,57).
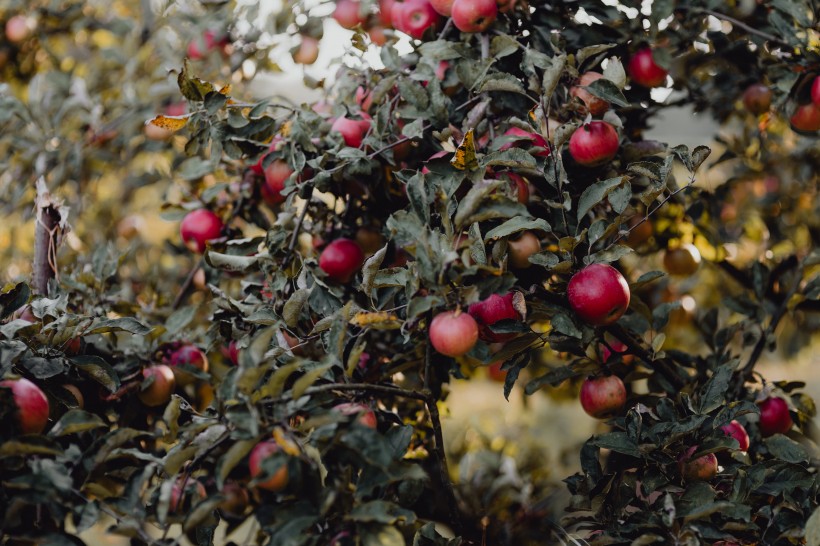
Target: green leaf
(383,535)
(472,201)
(605,89)
(786,449)
(552,75)
(229,262)
(97,369)
(518,224)
(595,194)
(76,420)
(180,318)
(379,511)
(126,324)
(590,51)
(14,299)
(618,442)
(561,323)
(371,268)
(502,81)
(293,307)
(713,393)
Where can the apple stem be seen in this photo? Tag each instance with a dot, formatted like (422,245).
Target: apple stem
(48,231)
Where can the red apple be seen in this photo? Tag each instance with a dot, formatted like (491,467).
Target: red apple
(307,52)
(474,15)
(598,294)
(815,91)
(594,143)
(414,17)
(231,353)
(495,373)
(377,35)
(261,452)
(352,130)
(644,71)
(522,248)
(198,227)
(738,432)
(619,347)
(443,7)
(210,40)
(519,184)
(603,397)
(683,260)
(774,417)
(194,492)
(19,28)
(32,405)
(386,12)
(703,468)
(596,105)
(159,391)
(341,259)
(538,144)
(757,98)
(236,500)
(491,310)
(348,14)
(365,416)
(188,355)
(453,333)
(806,118)
(276,174)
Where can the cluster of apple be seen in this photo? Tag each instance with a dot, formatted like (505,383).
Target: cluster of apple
(757,99)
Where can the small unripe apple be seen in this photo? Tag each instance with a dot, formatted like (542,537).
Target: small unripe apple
(236,500)
(194,492)
(443,7)
(348,14)
(20,28)
(261,452)
(598,294)
(474,15)
(188,355)
(522,248)
(702,468)
(603,397)
(774,417)
(757,98)
(453,333)
(198,227)
(491,310)
(352,130)
(596,105)
(538,144)
(683,260)
(159,391)
(815,91)
(594,143)
(364,415)
(341,259)
(738,432)
(32,405)
(644,71)
(806,118)
(414,17)
(307,52)
(276,174)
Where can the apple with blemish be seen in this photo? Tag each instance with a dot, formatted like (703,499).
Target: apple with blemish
(259,454)
(159,392)
(604,396)
(702,468)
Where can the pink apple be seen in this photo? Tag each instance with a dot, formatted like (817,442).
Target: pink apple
(444,7)
(198,227)
(538,144)
(598,294)
(474,15)
(414,17)
(348,14)
(491,310)
(352,130)
(738,432)
(453,333)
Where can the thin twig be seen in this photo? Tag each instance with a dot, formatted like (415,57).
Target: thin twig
(186,286)
(747,28)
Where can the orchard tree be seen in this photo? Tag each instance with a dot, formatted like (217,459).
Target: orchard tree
(487,197)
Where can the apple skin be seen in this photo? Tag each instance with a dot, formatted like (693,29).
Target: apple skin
(522,189)
(620,348)
(521,249)
(236,500)
(644,71)
(594,143)
(704,468)
(474,15)
(211,41)
(348,14)
(194,492)
(341,259)
(491,310)
(32,405)
(598,294)
(596,105)
(603,397)
(308,51)
(443,7)
(276,174)
(386,12)
(774,417)
(757,98)
(352,130)
(539,145)
(198,227)
(377,35)
(682,261)
(414,17)
(365,416)
(806,118)
(19,28)
(453,333)
(159,392)
(189,355)
(815,91)
(261,452)
(231,353)
(738,432)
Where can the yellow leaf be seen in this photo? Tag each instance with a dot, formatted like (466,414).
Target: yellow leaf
(226,90)
(464,158)
(380,319)
(171,123)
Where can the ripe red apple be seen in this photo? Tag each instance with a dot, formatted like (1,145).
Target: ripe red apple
(683,260)
(19,28)
(414,17)
(596,105)
(598,294)
(261,452)
(757,98)
(522,248)
(32,405)
(495,373)
(443,7)
(644,71)
(453,333)
(774,417)
(520,186)
(703,468)
(364,415)
(198,227)
(188,355)
(194,492)
(276,174)
(474,15)
(348,14)
(594,143)
(231,353)
(210,40)
(352,130)
(603,397)
(619,347)
(307,52)
(815,91)
(806,118)
(341,259)
(491,310)
(159,391)
(386,12)
(538,144)
(738,432)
